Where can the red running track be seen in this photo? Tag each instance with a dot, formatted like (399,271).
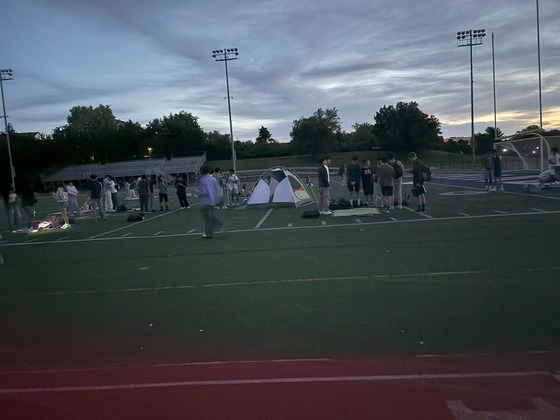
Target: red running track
(458,387)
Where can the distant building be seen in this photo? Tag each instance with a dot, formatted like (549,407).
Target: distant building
(457,139)
(34,135)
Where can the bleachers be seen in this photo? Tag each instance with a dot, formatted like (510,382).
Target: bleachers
(189,164)
(129,168)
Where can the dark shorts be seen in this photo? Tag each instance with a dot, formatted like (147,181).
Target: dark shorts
(418,190)
(368,189)
(355,187)
(387,191)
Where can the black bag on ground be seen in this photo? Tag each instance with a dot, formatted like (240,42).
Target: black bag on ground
(122,208)
(310,214)
(135,217)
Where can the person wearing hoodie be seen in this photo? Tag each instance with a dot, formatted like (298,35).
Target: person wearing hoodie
(108,187)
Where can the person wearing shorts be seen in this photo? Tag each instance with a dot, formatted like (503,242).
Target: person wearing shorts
(354,173)
(418,189)
(367,182)
(497,169)
(386,175)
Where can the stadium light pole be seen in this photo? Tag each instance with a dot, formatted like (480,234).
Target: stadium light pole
(225,55)
(471,38)
(539,64)
(7,74)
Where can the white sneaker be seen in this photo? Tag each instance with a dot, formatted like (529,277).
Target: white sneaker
(328,212)
(399,207)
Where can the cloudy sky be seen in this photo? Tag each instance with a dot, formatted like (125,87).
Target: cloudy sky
(147,59)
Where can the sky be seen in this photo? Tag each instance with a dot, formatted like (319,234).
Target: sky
(149,59)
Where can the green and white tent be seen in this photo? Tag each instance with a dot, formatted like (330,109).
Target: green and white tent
(279,187)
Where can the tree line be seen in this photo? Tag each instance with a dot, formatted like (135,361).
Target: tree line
(94,134)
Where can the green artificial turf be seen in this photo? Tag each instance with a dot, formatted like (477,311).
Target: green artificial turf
(478,275)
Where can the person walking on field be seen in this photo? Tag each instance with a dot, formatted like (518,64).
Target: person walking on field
(209,192)
(418,189)
(324,181)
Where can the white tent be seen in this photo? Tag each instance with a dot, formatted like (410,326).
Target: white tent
(279,187)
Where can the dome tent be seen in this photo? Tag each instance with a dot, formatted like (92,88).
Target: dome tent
(278,187)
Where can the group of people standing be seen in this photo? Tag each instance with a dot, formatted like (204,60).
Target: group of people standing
(492,164)
(229,187)
(379,186)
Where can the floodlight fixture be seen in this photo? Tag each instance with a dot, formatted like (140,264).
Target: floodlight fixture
(225,55)
(471,38)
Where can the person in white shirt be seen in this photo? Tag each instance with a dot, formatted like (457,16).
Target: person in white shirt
(73,206)
(554,159)
(233,182)
(108,187)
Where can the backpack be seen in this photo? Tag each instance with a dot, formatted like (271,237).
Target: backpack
(135,217)
(398,169)
(310,214)
(425,172)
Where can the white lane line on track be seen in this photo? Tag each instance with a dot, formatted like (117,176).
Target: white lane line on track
(264,381)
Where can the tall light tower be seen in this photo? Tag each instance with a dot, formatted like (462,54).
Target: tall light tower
(539,64)
(226,55)
(469,39)
(7,74)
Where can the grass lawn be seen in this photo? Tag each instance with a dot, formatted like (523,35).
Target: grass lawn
(476,274)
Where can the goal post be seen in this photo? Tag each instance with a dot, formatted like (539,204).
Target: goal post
(527,153)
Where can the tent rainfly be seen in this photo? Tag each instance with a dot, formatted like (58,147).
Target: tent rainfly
(278,187)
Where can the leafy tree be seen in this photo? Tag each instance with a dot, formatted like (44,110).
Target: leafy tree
(405,127)
(218,146)
(363,137)
(130,139)
(89,132)
(315,134)
(264,136)
(485,141)
(176,133)
(528,132)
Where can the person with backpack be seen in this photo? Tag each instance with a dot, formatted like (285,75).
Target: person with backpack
(418,189)
(96,191)
(398,167)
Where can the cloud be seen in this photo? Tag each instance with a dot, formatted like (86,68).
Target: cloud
(148,59)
